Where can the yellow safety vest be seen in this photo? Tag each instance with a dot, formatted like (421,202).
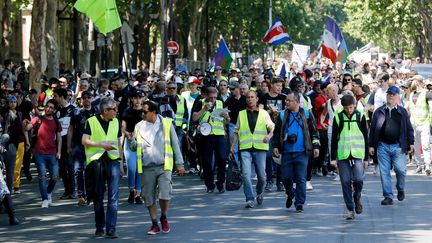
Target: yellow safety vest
(216,124)
(98,135)
(179,121)
(351,139)
(247,139)
(419,110)
(168,150)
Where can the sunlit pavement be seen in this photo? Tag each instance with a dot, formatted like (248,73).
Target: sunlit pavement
(197,216)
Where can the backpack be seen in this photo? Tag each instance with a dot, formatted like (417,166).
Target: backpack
(165,109)
(35,130)
(234,177)
(342,120)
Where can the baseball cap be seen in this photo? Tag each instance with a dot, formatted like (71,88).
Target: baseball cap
(86,93)
(217,68)
(137,93)
(194,80)
(393,90)
(406,84)
(234,85)
(85,76)
(11,98)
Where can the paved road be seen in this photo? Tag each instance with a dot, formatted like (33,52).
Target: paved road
(197,216)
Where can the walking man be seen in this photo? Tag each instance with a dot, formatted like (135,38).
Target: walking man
(297,138)
(254,129)
(391,137)
(101,140)
(349,152)
(157,148)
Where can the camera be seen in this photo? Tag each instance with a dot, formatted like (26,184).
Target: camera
(291,138)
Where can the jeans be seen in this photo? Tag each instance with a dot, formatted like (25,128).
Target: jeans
(422,138)
(180,135)
(134,178)
(293,169)
(44,162)
(9,161)
(104,171)
(258,158)
(214,145)
(66,169)
(351,174)
(79,160)
(391,155)
(231,129)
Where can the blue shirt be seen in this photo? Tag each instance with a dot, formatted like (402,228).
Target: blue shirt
(294,126)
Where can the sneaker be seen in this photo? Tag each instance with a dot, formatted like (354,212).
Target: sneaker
(138,200)
(221,189)
(73,195)
(131,196)
(319,172)
(193,171)
(309,186)
(299,208)
(99,233)
(260,199)
(16,191)
(387,201)
(64,196)
(49,199)
(349,215)
(337,178)
(269,186)
(210,190)
(358,206)
(288,202)
(165,226)
(81,201)
(401,195)
(13,220)
(111,235)
(154,230)
(280,187)
(250,204)
(375,170)
(45,204)
(419,170)
(428,171)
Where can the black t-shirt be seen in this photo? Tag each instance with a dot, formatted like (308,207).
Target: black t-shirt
(104,125)
(131,117)
(78,121)
(278,101)
(235,106)
(64,116)
(25,107)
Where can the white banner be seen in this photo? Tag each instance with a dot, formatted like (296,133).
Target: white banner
(300,53)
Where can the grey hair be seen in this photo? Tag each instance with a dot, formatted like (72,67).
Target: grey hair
(105,102)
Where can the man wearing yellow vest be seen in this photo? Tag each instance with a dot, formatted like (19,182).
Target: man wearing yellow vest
(253,130)
(157,148)
(349,152)
(214,142)
(101,139)
(179,105)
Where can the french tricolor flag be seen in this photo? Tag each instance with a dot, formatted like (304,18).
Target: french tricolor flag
(334,46)
(277,34)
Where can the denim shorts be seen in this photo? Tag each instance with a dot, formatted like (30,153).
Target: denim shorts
(156,181)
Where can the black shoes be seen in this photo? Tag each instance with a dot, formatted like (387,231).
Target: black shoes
(387,201)
(358,206)
(401,195)
(260,199)
(299,208)
(288,202)
(13,220)
(99,233)
(210,190)
(138,200)
(111,235)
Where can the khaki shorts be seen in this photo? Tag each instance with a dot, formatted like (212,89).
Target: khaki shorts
(156,181)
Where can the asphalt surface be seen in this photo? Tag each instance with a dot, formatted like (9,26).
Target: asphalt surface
(196,216)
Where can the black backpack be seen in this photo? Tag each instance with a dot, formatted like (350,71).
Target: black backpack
(234,177)
(342,120)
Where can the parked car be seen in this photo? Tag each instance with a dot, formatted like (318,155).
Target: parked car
(424,70)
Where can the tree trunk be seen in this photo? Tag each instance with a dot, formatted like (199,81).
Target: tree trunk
(37,43)
(84,52)
(52,50)
(5,44)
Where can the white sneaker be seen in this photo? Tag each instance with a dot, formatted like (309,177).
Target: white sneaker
(309,186)
(49,199)
(45,204)
(337,178)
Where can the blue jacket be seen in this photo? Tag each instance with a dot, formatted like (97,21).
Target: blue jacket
(407,132)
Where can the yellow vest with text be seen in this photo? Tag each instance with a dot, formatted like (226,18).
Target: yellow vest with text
(216,124)
(98,135)
(247,139)
(168,150)
(351,140)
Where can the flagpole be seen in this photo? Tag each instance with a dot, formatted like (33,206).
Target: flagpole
(270,24)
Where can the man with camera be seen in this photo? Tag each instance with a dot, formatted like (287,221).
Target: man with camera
(213,139)
(295,139)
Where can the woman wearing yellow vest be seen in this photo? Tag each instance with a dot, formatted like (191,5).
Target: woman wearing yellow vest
(349,152)
(254,129)
(157,149)
(101,139)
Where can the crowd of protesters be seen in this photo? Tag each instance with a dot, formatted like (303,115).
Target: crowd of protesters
(327,120)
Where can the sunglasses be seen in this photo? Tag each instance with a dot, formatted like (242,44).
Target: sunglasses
(171,88)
